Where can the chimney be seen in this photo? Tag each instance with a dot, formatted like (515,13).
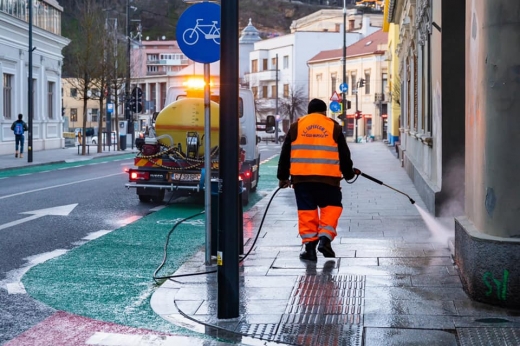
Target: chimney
(365,25)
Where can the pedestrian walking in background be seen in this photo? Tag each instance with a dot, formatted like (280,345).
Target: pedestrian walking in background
(314,159)
(19,127)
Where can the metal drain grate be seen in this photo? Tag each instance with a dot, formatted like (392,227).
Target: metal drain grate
(330,335)
(488,336)
(322,310)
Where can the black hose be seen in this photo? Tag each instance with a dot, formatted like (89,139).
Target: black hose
(165,256)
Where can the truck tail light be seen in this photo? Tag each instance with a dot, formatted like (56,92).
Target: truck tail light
(137,175)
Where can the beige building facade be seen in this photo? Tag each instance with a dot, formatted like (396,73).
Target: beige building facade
(365,60)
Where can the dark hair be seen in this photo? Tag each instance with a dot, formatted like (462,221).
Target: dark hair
(20,116)
(316,106)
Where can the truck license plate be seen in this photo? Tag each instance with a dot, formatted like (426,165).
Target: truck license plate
(186,177)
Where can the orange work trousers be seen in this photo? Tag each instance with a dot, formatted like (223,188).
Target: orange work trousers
(319,209)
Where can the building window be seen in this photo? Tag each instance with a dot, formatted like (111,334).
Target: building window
(50,100)
(264,65)
(273,62)
(333,82)
(264,92)
(255,91)
(73,114)
(95,114)
(73,92)
(8,96)
(286,62)
(367,82)
(254,66)
(351,24)
(353,88)
(273,91)
(286,91)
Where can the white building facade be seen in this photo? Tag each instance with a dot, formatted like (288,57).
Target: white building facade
(47,123)
(310,35)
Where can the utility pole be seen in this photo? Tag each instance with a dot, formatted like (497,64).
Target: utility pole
(228,237)
(344,96)
(356,115)
(276,103)
(30,90)
(128,112)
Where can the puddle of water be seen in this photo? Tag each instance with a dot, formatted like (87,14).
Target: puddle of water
(439,230)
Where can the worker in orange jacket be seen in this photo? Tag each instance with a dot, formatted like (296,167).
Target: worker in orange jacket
(314,159)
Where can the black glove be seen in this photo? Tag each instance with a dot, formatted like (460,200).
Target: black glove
(354,172)
(282,184)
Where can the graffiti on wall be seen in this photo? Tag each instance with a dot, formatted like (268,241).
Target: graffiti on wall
(496,285)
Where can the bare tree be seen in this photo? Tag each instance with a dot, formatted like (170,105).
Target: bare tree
(86,54)
(295,104)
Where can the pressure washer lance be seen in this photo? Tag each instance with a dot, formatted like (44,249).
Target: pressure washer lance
(358,172)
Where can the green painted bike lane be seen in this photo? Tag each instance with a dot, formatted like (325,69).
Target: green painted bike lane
(110,278)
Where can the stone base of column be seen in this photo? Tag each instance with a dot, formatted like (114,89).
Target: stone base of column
(489,266)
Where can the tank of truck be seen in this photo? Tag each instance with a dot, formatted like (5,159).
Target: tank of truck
(183,116)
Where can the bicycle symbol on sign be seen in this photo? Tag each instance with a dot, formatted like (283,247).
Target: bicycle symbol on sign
(191,35)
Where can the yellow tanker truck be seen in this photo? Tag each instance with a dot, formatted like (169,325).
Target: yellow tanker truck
(171,154)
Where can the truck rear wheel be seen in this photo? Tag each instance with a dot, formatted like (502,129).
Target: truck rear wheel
(158,198)
(144,198)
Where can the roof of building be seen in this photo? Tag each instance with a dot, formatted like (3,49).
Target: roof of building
(250,34)
(366,46)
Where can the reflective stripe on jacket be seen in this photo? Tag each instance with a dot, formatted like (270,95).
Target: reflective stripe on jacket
(315,152)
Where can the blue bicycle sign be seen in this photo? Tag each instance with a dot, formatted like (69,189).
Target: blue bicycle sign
(199,32)
(191,35)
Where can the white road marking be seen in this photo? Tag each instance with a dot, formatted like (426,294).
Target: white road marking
(158,208)
(62,210)
(12,281)
(60,185)
(95,235)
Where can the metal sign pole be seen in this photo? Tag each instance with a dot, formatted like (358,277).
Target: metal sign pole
(207,162)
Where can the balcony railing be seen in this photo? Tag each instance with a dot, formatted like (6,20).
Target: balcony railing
(262,76)
(382,97)
(170,62)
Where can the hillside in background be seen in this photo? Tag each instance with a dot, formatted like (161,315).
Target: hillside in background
(158,18)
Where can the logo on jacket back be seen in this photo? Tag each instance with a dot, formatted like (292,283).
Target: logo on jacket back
(18,128)
(315,131)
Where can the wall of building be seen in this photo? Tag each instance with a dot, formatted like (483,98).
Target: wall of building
(47,61)
(394,109)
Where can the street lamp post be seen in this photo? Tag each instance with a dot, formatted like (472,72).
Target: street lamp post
(128,112)
(344,96)
(30,89)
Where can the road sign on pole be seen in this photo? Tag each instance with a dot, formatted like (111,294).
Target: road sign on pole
(343,87)
(198,32)
(335,106)
(335,97)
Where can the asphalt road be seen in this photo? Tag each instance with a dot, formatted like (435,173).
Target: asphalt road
(87,201)
(48,211)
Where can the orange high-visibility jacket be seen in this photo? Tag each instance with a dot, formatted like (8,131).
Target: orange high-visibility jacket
(314,152)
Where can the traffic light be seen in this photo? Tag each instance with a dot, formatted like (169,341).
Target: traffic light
(361,83)
(348,104)
(358,115)
(136,100)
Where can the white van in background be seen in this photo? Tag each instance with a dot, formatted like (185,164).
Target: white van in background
(271,135)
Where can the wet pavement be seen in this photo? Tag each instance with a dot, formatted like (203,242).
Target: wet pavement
(392,283)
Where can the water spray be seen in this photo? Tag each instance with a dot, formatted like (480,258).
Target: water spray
(358,172)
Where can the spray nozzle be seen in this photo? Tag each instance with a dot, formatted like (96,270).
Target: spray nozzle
(412,201)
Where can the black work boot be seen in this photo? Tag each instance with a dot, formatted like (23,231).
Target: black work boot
(325,248)
(309,253)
